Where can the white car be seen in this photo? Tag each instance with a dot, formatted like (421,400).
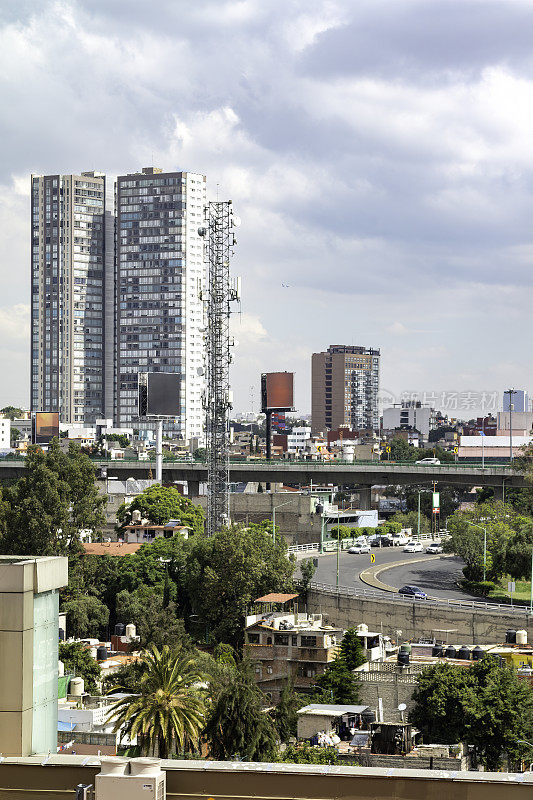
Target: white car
(399,539)
(357,549)
(434,461)
(413,547)
(434,548)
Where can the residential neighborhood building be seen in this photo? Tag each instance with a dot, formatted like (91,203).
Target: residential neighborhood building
(410,414)
(5,433)
(344,388)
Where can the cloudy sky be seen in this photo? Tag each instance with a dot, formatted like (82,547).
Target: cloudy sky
(379,153)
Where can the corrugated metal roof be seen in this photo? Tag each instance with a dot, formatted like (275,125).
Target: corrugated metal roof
(331,710)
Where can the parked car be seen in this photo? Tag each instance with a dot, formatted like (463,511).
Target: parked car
(399,539)
(381,541)
(413,591)
(434,548)
(413,547)
(358,549)
(434,461)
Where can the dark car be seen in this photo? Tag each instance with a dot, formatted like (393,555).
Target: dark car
(381,541)
(413,591)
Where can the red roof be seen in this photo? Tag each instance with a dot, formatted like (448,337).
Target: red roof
(276,597)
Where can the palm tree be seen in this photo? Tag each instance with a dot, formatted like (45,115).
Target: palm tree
(168,712)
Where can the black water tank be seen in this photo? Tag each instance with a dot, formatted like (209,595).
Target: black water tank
(367,718)
(451,652)
(403,657)
(101,653)
(61,635)
(464,653)
(120,629)
(510,636)
(477,653)
(405,648)
(437,651)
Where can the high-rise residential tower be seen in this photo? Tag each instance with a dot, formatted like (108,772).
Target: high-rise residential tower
(344,388)
(71,260)
(160,269)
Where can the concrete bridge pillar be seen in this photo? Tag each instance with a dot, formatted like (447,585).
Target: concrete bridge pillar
(365,498)
(499,492)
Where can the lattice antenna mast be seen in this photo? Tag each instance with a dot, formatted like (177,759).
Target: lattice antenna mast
(219,293)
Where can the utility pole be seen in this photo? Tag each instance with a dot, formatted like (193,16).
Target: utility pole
(219,293)
(510,392)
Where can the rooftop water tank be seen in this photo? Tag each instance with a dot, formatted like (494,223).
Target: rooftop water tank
(403,658)
(362,628)
(120,629)
(131,631)
(510,636)
(93,651)
(437,651)
(76,687)
(405,648)
(477,653)
(367,718)
(451,652)
(464,653)
(521,637)
(101,653)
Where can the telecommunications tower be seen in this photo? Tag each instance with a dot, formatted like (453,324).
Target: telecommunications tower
(219,293)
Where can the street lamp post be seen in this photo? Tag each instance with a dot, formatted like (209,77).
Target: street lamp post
(475,525)
(510,392)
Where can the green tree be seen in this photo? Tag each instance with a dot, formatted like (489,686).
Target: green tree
(167,714)
(14,435)
(285,714)
(11,412)
(307,571)
(337,685)
(401,451)
(54,500)
(352,651)
(487,706)
(226,572)
(237,726)
(155,623)
(518,551)
(303,753)
(128,677)
(160,504)
(78,660)
(341,532)
(410,520)
(87,616)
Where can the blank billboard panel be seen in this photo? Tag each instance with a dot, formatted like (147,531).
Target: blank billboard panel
(45,427)
(277,391)
(159,394)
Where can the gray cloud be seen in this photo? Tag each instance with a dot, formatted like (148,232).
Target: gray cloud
(379,154)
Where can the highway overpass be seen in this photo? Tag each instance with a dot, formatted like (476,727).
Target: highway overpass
(359,473)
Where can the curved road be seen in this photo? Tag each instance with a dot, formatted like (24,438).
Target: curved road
(437,577)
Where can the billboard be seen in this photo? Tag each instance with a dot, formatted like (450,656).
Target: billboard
(159,394)
(45,427)
(277,391)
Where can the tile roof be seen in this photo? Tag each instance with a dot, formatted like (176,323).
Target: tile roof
(276,597)
(110,548)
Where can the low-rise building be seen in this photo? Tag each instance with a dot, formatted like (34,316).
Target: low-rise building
(285,644)
(145,534)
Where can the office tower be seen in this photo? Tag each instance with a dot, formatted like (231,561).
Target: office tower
(72,255)
(521,401)
(344,388)
(160,269)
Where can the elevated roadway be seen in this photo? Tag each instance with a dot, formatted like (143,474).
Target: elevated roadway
(360,473)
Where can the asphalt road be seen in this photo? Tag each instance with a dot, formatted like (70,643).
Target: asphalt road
(436,577)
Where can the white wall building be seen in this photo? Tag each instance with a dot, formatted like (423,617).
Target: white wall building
(407,415)
(296,440)
(5,433)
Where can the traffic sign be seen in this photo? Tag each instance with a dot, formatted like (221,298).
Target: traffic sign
(372,558)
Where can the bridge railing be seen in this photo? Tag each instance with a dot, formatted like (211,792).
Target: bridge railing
(355,591)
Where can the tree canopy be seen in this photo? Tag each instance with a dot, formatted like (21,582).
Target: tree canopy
(78,660)
(487,705)
(159,504)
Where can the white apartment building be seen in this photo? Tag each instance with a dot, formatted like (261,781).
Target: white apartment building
(410,414)
(297,439)
(160,271)
(5,433)
(72,255)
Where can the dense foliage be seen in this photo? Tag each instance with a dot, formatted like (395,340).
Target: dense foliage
(337,685)
(78,660)
(160,504)
(487,706)
(44,512)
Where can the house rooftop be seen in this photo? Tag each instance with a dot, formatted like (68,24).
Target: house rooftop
(326,710)
(110,548)
(276,597)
